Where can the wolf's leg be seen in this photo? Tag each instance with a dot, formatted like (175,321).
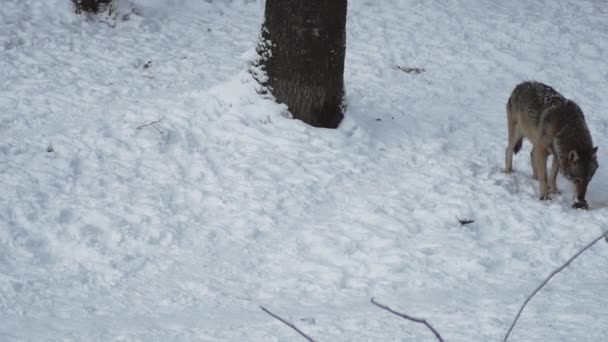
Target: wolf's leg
(553,175)
(540,159)
(534,171)
(513,139)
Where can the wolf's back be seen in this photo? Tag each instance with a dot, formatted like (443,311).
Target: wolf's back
(532,98)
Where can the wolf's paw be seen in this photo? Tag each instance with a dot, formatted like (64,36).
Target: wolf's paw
(545,197)
(580,205)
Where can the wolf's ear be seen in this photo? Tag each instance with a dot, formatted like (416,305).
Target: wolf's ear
(573,156)
(594,151)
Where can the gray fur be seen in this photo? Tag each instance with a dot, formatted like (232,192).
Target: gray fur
(554,125)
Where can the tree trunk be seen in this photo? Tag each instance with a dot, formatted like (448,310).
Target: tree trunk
(302,50)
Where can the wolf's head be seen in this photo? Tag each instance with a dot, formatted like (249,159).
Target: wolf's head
(579,167)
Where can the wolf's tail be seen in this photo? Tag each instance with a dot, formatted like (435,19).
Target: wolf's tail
(517,146)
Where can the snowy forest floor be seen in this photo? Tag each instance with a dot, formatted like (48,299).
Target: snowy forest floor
(179,230)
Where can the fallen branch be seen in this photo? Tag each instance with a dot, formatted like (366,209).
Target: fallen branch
(410,318)
(556,271)
(465,221)
(152,124)
(288,324)
(407,70)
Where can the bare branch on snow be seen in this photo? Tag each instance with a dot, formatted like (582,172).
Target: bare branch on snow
(152,124)
(465,221)
(556,271)
(288,324)
(409,318)
(408,70)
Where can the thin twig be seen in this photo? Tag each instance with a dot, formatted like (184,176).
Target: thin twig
(149,124)
(288,324)
(409,318)
(556,271)
(152,124)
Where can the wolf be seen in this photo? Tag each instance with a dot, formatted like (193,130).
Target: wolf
(554,125)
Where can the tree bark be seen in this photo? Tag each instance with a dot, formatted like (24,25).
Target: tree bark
(302,49)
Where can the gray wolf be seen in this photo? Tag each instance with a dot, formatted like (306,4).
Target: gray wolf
(554,125)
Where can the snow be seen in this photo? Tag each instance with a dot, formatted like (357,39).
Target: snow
(179,230)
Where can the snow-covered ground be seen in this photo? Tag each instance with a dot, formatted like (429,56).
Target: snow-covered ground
(179,230)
